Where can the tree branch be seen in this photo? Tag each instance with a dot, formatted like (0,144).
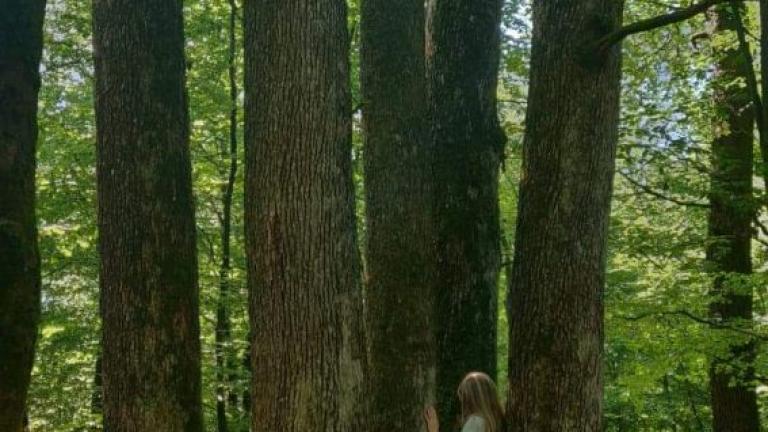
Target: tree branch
(751,77)
(760,225)
(660,195)
(648,24)
(709,322)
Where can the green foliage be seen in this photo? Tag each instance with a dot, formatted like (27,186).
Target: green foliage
(657,341)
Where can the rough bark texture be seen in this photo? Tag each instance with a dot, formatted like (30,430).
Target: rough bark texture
(149,291)
(556,288)
(462,52)
(729,253)
(308,352)
(21,44)
(398,190)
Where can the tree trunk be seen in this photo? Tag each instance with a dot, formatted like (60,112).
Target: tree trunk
(462,52)
(149,291)
(398,190)
(729,253)
(21,44)
(556,288)
(308,351)
(226,399)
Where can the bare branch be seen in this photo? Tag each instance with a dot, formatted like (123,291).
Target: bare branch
(657,194)
(648,24)
(709,322)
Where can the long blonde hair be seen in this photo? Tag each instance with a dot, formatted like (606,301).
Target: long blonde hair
(478,397)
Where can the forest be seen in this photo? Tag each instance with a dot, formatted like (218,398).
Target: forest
(321,215)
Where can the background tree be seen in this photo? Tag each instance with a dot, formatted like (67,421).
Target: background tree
(729,251)
(463,52)
(656,359)
(209,31)
(400,253)
(149,290)
(21,42)
(308,353)
(226,396)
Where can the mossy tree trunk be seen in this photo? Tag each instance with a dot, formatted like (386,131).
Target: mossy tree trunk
(307,345)
(729,251)
(557,282)
(400,252)
(149,288)
(462,61)
(21,45)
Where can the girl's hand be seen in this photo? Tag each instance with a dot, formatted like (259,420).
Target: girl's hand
(430,418)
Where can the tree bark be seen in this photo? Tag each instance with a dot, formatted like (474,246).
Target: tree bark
(400,252)
(462,54)
(729,252)
(308,350)
(556,289)
(21,45)
(149,288)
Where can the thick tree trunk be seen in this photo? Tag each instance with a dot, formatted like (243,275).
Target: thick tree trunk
(21,45)
(149,291)
(226,399)
(308,351)
(556,288)
(729,253)
(463,50)
(400,252)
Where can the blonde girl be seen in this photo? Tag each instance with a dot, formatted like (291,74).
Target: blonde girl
(480,407)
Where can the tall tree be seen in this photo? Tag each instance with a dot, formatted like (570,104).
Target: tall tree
(556,287)
(399,229)
(21,46)
(149,289)
(308,351)
(462,54)
(226,397)
(729,253)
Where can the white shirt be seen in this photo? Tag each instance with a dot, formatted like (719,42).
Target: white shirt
(474,424)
